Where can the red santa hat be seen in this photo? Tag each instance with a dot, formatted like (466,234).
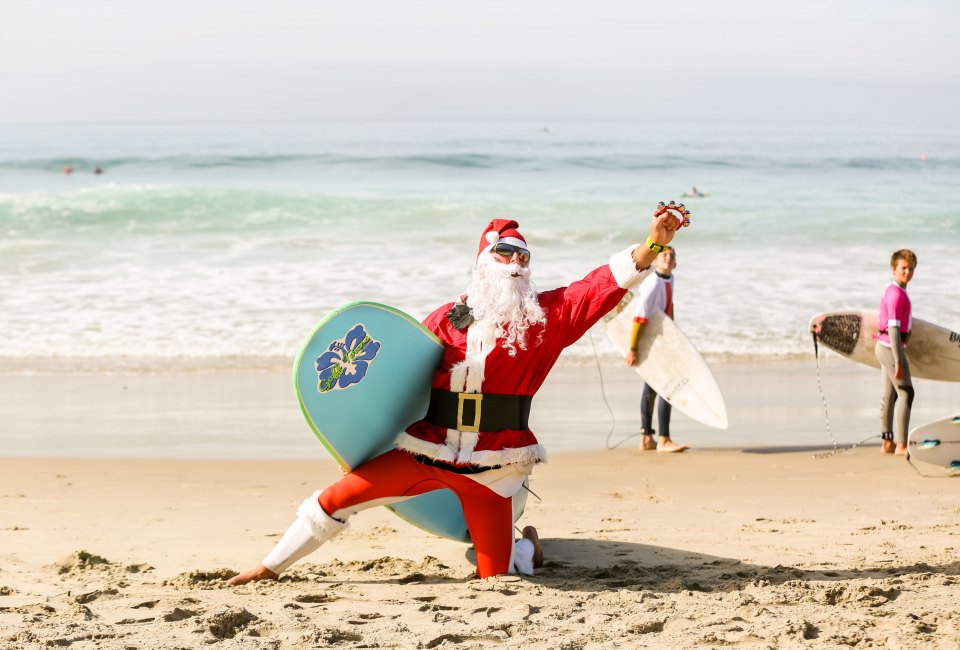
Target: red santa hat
(501,230)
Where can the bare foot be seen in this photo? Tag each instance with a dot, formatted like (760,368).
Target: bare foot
(887,447)
(259,572)
(902,450)
(531,533)
(668,446)
(648,443)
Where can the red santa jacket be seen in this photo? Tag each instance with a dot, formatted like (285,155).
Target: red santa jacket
(570,311)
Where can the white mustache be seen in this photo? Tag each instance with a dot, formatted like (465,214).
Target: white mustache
(513,270)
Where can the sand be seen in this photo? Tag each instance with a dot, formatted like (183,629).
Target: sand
(736,543)
(707,549)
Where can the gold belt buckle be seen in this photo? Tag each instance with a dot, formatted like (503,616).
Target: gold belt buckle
(477,399)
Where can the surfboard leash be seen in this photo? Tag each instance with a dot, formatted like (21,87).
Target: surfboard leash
(823,398)
(843,450)
(603,393)
(527,488)
(826,413)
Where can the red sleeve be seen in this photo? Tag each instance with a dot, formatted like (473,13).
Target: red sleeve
(576,308)
(434,322)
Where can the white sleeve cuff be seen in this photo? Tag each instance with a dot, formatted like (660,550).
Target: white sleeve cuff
(297,543)
(893,323)
(624,269)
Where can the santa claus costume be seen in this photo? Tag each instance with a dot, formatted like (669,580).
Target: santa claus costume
(500,340)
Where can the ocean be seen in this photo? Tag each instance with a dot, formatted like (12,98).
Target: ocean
(209,244)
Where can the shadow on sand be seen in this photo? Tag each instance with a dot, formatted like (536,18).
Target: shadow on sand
(591,565)
(601,565)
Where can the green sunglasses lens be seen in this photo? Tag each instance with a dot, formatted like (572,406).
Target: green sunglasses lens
(507,250)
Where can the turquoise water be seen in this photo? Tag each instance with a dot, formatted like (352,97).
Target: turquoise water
(203,243)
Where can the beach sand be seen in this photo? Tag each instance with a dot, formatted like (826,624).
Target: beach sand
(754,547)
(709,549)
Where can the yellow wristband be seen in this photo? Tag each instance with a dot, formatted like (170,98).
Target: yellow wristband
(655,247)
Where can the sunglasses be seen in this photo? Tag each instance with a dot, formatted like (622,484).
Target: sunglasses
(507,250)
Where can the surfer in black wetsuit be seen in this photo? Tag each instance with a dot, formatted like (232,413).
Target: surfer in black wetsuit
(655,294)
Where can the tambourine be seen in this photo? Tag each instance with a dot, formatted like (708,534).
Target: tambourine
(679,209)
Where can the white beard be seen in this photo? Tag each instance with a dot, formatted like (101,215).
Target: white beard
(502,295)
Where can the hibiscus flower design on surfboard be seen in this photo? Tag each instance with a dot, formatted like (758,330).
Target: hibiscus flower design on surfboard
(346,360)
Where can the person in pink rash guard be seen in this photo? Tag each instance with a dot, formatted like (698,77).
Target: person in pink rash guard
(501,338)
(894,325)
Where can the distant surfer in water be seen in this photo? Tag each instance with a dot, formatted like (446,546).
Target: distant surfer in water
(694,192)
(500,339)
(895,322)
(655,295)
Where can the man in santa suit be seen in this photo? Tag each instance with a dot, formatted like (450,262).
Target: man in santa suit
(500,338)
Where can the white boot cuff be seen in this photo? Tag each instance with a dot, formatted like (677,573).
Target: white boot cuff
(523,557)
(307,533)
(322,526)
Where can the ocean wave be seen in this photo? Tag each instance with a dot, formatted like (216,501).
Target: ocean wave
(195,254)
(145,207)
(539,161)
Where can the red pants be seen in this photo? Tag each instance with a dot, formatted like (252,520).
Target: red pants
(396,474)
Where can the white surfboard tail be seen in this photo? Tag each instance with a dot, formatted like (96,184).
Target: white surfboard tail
(672,366)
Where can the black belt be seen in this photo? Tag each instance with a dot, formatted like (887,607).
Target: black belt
(457,469)
(478,412)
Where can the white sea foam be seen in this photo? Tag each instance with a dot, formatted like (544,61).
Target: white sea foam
(182,255)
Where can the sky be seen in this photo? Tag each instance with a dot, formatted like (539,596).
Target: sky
(219,60)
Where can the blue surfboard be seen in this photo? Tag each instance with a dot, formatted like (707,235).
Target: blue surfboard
(361,378)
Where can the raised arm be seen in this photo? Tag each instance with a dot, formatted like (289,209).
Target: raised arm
(667,220)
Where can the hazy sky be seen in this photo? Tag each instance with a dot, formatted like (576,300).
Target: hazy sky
(143,60)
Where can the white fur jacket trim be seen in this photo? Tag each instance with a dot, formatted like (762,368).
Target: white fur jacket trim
(483,458)
(624,269)
(467,376)
(415,445)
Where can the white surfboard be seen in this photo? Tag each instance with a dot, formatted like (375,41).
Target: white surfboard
(937,443)
(933,351)
(670,364)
